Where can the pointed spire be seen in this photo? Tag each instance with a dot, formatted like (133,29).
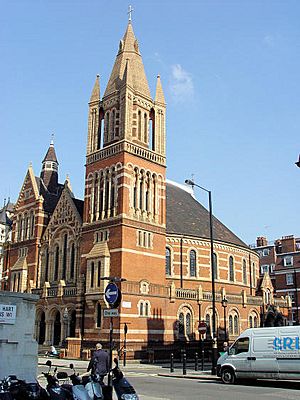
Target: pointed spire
(96,90)
(127,78)
(128,49)
(159,94)
(49,173)
(50,155)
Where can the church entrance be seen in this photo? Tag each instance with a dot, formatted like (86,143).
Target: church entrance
(57,329)
(42,329)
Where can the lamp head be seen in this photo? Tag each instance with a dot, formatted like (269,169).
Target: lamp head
(189,182)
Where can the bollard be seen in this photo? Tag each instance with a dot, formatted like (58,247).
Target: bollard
(172,363)
(202,355)
(196,361)
(184,364)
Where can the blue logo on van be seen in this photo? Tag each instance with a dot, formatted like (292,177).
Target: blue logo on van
(286,343)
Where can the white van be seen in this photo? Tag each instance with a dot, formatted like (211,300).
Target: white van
(262,353)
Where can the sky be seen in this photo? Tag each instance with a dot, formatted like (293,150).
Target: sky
(230,71)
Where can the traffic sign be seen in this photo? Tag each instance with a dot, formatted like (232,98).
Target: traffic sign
(111,312)
(202,327)
(111,293)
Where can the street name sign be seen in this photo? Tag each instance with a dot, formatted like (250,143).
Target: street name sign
(8,314)
(112,312)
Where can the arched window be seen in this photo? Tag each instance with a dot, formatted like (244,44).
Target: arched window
(192,263)
(215,258)
(56,263)
(141,308)
(99,274)
(139,125)
(145,128)
(244,272)
(46,264)
(255,322)
(168,261)
(181,324)
(254,275)
(107,126)
(141,193)
(98,319)
(231,269)
(92,274)
(146,309)
(113,125)
(72,261)
(250,322)
(64,263)
(188,321)
(236,324)
(32,224)
(230,328)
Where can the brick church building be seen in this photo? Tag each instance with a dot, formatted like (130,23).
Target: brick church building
(132,224)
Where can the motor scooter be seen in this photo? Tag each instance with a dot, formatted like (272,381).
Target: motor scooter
(124,390)
(5,393)
(93,387)
(55,391)
(77,388)
(22,390)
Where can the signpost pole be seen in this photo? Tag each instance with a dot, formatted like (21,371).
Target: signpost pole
(110,351)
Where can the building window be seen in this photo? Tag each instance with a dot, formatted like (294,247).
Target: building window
(264,268)
(193,263)
(64,262)
(144,239)
(98,273)
(144,308)
(168,261)
(92,274)
(185,323)
(72,261)
(288,261)
(292,296)
(244,272)
(289,279)
(265,252)
(215,266)
(254,274)
(231,269)
(56,263)
(47,265)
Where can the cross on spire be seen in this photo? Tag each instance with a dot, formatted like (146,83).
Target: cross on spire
(130,9)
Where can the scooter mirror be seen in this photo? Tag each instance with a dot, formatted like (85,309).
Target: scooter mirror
(49,363)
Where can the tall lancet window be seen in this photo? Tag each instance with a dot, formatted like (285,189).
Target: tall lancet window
(107,127)
(64,263)
(113,122)
(152,144)
(145,128)
(56,262)
(72,261)
(139,125)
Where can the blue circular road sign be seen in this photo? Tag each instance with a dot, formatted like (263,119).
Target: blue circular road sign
(111,293)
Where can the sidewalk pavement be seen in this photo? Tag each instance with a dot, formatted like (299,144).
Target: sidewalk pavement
(161,370)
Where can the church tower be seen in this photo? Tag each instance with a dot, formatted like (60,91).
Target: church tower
(124,223)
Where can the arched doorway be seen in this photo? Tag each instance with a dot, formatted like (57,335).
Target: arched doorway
(57,329)
(42,329)
(73,323)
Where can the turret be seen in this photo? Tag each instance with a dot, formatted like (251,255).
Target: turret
(49,173)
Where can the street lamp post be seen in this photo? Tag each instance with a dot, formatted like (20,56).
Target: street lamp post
(224,305)
(214,336)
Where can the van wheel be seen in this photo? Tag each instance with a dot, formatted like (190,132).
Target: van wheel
(227,376)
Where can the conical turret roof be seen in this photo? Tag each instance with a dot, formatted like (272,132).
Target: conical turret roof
(128,49)
(50,155)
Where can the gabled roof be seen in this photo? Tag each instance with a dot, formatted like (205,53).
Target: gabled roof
(128,50)
(186,216)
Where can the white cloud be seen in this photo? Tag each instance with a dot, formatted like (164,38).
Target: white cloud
(181,86)
(269,40)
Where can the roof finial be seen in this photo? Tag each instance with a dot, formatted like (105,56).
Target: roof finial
(52,139)
(130,9)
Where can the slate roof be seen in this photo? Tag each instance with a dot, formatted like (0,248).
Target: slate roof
(186,216)
(79,205)
(50,199)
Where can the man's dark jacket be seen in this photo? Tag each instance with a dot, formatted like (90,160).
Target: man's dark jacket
(99,363)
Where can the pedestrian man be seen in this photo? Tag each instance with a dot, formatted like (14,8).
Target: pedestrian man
(99,363)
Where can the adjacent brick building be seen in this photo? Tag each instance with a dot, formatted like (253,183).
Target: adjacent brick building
(132,224)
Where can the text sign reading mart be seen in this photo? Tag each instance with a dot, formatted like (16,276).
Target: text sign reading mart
(7,314)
